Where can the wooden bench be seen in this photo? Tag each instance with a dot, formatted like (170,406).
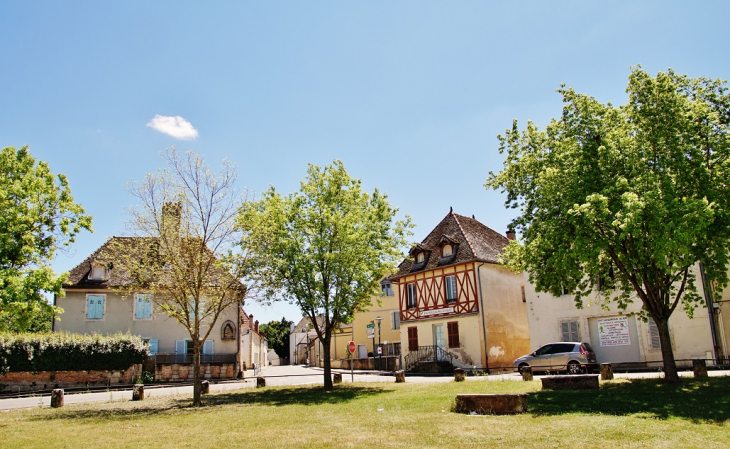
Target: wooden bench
(571,382)
(491,404)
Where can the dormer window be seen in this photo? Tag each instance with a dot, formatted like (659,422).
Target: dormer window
(420,257)
(98,271)
(447,250)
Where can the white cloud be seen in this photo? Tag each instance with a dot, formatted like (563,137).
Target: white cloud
(176,127)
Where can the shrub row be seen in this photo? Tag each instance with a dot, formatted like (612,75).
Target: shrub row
(69,352)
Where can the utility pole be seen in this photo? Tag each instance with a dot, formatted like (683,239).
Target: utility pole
(380,349)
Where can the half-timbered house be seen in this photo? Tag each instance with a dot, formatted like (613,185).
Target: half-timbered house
(457,303)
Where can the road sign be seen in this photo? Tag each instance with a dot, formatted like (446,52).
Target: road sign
(380,350)
(351,347)
(371,326)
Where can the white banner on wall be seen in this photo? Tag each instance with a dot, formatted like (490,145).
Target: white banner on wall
(614,331)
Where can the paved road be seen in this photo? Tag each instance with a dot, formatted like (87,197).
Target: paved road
(282,376)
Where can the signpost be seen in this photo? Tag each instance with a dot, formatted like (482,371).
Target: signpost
(351,348)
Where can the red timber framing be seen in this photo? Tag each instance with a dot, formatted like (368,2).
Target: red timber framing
(431,293)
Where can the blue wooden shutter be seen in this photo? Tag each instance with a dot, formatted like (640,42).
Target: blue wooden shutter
(138,307)
(95,307)
(208,347)
(154,346)
(181,347)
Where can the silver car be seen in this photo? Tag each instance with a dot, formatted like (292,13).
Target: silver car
(573,357)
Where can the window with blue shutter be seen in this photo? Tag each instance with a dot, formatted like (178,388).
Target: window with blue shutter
(143,306)
(450,288)
(154,346)
(181,347)
(94,307)
(208,347)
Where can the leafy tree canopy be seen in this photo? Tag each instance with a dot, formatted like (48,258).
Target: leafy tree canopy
(634,196)
(324,247)
(39,217)
(277,334)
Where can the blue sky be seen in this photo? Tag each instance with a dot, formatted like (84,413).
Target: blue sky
(409,94)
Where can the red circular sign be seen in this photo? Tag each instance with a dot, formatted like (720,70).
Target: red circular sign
(351,347)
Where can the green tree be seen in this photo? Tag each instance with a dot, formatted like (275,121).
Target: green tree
(184,224)
(277,334)
(39,217)
(633,197)
(324,247)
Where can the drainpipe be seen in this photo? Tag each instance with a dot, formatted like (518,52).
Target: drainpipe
(709,301)
(238,341)
(482,313)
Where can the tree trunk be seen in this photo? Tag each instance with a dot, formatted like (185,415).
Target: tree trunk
(327,366)
(670,367)
(196,375)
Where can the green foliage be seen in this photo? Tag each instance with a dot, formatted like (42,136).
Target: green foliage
(277,334)
(39,216)
(69,352)
(634,196)
(324,247)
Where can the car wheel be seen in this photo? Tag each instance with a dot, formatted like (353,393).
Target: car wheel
(574,368)
(521,367)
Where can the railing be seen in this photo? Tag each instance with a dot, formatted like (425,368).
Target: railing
(187,359)
(256,369)
(427,354)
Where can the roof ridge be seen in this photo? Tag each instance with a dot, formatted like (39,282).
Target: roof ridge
(466,237)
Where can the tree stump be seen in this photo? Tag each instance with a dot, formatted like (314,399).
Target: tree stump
(204,387)
(459,375)
(57,398)
(336,378)
(606,371)
(260,382)
(526,373)
(400,377)
(699,366)
(138,392)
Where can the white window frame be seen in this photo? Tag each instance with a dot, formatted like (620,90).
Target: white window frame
(386,289)
(450,280)
(411,296)
(98,272)
(103,310)
(570,332)
(395,320)
(134,312)
(653,329)
(451,250)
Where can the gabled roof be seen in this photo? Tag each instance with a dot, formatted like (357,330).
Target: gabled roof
(472,241)
(112,255)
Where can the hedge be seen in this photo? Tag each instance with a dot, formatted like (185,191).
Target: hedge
(61,351)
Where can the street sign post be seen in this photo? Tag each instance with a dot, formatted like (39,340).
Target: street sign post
(351,349)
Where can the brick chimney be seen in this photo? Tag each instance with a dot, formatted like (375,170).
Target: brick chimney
(510,234)
(256,325)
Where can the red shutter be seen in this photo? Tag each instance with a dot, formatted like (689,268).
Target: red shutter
(453,329)
(413,339)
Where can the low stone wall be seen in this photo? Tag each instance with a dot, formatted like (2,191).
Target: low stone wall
(488,404)
(390,363)
(22,381)
(184,373)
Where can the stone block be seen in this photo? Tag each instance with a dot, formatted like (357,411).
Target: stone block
(400,376)
(260,382)
(459,375)
(579,382)
(336,378)
(699,366)
(606,371)
(491,404)
(138,392)
(526,372)
(57,398)
(204,387)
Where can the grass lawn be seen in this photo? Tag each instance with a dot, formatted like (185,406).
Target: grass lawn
(623,413)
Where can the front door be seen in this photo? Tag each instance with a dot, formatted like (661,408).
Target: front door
(362,352)
(438,339)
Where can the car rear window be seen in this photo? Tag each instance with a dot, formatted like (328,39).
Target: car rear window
(562,347)
(587,347)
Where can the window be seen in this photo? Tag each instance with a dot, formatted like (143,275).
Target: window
(181,346)
(413,339)
(95,307)
(153,344)
(654,342)
(564,290)
(450,285)
(453,330)
(396,348)
(395,320)
(142,306)
(386,288)
(97,272)
(447,250)
(411,298)
(201,308)
(209,347)
(569,330)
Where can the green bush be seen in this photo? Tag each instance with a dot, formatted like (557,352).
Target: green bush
(69,352)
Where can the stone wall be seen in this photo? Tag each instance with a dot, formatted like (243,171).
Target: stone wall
(14,382)
(184,373)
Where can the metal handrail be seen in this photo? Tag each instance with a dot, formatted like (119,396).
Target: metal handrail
(427,354)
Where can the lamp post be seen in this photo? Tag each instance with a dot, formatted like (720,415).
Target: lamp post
(380,349)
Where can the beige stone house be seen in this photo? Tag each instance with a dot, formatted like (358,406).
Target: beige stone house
(457,302)
(98,301)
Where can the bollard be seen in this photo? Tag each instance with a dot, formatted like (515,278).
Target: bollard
(458,375)
(204,387)
(337,378)
(57,398)
(526,373)
(260,382)
(699,367)
(606,371)
(138,392)
(400,377)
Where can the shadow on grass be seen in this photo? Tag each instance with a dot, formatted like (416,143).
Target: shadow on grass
(705,400)
(172,406)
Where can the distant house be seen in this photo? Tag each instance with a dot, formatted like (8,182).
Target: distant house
(97,300)
(305,346)
(456,302)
